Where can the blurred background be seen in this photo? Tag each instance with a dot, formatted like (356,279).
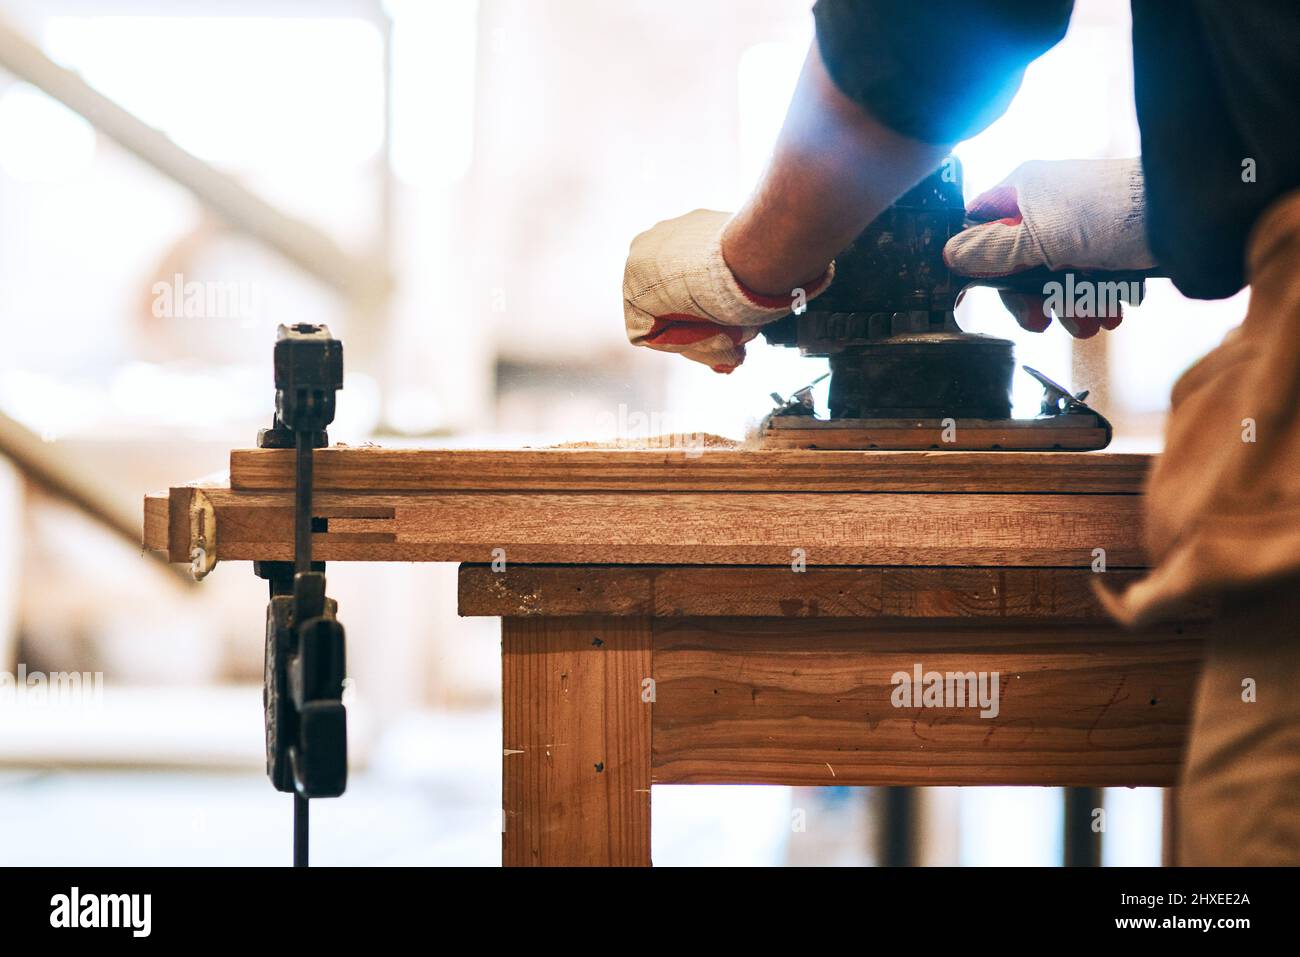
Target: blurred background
(452,187)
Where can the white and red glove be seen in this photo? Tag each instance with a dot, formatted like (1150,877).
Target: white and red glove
(680,296)
(1064,215)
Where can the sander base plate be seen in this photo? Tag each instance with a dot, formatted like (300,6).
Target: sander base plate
(1075,431)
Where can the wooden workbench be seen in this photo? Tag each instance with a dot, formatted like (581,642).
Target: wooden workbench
(657,629)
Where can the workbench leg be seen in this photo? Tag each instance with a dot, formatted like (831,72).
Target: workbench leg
(1082,844)
(1169,829)
(898,827)
(576,709)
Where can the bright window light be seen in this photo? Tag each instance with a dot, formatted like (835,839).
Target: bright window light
(1133,827)
(237,90)
(766,78)
(41,140)
(1012,827)
(434,59)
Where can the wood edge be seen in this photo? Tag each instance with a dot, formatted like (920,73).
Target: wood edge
(154,527)
(567,591)
(676,470)
(688,770)
(179,500)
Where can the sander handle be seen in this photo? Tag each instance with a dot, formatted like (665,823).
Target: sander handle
(1037,279)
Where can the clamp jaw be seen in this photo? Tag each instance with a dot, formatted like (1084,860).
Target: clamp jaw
(308,375)
(306,722)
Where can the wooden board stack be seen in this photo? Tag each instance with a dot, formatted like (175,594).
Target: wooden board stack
(673,507)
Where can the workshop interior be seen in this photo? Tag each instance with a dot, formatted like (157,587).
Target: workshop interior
(242,240)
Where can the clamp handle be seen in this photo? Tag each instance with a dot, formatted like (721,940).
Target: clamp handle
(306,720)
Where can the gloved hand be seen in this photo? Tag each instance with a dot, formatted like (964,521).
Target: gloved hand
(1065,215)
(680,296)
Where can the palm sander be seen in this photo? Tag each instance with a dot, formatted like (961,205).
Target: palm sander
(903,375)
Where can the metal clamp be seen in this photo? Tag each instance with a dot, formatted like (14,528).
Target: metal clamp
(306,721)
(1057,399)
(203,535)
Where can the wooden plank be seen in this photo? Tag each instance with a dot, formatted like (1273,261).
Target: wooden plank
(723,470)
(714,591)
(1081,422)
(179,547)
(156,533)
(557,591)
(800,702)
(965,439)
(575,775)
(747,528)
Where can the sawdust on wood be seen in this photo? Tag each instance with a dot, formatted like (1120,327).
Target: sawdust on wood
(684,441)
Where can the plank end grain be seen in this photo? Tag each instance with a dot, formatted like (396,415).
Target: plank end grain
(156,531)
(575,742)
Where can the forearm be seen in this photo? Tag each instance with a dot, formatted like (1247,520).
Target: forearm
(833,171)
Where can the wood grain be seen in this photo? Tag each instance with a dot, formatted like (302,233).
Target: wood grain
(157,516)
(179,546)
(713,591)
(745,528)
(804,702)
(576,742)
(450,470)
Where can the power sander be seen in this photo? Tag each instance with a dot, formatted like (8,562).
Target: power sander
(903,375)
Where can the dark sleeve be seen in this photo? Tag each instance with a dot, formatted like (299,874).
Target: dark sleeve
(938,71)
(1218,92)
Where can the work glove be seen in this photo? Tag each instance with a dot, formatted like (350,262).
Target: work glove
(680,296)
(1066,215)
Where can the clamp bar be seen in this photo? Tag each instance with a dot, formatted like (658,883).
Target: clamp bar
(306,721)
